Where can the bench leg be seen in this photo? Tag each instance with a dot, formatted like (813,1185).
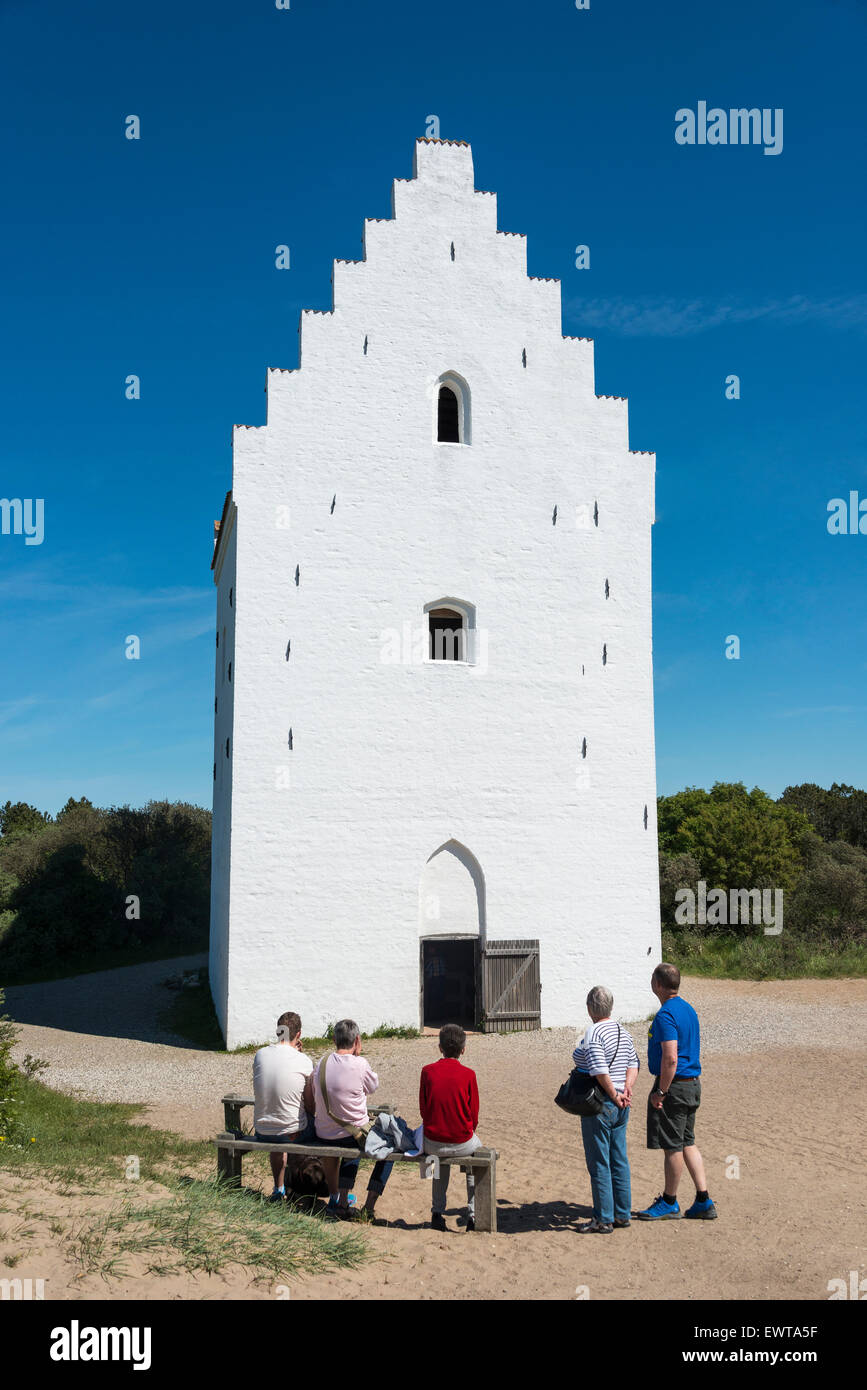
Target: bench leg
(486,1199)
(232,1117)
(229,1164)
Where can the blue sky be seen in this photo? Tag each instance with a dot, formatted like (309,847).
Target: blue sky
(262,126)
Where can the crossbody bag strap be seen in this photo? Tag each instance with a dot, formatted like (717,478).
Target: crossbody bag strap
(617,1048)
(357,1134)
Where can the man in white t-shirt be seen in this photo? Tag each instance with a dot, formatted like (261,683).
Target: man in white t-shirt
(283,1090)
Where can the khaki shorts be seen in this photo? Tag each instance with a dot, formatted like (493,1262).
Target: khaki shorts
(673,1127)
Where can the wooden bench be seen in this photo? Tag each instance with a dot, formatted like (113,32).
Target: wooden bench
(233,1144)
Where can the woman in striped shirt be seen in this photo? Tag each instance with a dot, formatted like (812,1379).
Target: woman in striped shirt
(607,1054)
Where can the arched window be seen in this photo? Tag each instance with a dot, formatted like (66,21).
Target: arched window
(448,417)
(453,410)
(447,637)
(452,629)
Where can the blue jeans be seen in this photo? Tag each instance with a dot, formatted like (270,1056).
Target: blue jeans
(304,1136)
(349,1166)
(604,1138)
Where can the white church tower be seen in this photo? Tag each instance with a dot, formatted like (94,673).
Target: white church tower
(434,780)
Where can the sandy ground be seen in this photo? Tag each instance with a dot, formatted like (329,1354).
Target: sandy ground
(784,1096)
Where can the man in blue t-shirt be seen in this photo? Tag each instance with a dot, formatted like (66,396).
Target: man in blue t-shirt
(673,1056)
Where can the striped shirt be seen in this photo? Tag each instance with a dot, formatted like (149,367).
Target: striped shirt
(595,1052)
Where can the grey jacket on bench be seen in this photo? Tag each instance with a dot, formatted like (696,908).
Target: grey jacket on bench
(389,1135)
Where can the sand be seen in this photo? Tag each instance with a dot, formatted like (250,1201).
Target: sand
(782,1127)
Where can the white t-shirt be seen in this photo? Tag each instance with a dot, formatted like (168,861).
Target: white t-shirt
(279,1074)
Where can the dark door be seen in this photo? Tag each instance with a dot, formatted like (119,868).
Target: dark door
(449,972)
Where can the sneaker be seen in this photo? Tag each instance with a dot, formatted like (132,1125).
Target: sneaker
(620,1222)
(702,1211)
(594,1227)
(471,1225)
(276,1197)
(659,1210)
(437,1222)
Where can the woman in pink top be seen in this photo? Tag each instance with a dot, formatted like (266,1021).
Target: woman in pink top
(349,1080)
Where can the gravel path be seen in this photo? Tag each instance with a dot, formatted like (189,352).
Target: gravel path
(99,1034)
(122,1003)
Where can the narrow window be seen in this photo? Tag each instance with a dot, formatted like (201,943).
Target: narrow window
(227,748)
(448,417)
(230,670)
(452,409)
(447,636)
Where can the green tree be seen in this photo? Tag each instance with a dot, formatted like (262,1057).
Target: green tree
(18,818)
(840,813)
(829,901)
(64,887)
(740,839)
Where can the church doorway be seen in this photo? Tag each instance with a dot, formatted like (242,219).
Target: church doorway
(449,975)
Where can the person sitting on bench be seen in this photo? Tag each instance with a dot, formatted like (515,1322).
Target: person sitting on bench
(283,1091)
(449,1103)
(341,1117)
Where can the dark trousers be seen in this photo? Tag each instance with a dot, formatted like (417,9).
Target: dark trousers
(349,1166)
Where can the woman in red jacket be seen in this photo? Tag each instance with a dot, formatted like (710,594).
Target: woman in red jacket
(448,1099)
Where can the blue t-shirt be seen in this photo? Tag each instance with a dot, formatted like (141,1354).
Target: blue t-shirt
(677,1022)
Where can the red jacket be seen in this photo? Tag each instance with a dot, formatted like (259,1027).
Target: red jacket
(448,1099)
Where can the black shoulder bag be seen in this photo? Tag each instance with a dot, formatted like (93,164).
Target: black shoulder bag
(576,1097)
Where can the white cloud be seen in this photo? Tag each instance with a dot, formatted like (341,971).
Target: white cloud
(658,316)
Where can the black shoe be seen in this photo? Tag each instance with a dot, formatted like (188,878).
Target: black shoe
(437,1222)
(471,1225)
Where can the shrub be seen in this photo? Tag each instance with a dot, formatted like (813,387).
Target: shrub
(9,1073)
